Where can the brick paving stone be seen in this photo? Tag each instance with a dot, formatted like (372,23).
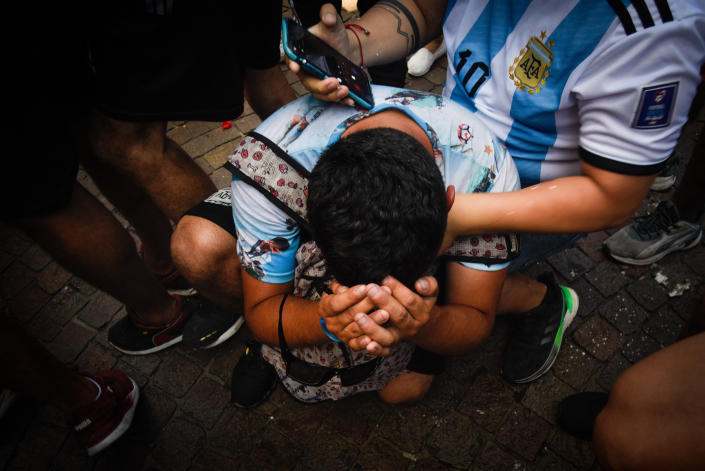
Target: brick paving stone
(145,364)
(206,401)
(178,444)
(578,452)
(43,328)
(648,293)
(487,401)
(238,431)
(204,165)
(406,427)
(14,243)
(598,338)
(137,376)
(209,460)
(191,129)
(588,297)
(176,374)
(454,439)
(100,310)
(248,123)
(221,178)
(83,286)
(217,157)
(5,260)
(210,140)
(226,359)
(274,450)
(548,461)
(686,304)
(15,279)
(675,268)
(65,304)
(493,458)
(35,258)
(664,326)
(53,278)
(523,432)
(328,451)
(380,455)
(571,263)
(71,341)
(304,422)
(445,392)
(544,394)
(614,367)
(28,302)
(591,245)
(607,278)
(622,312)
(96,358)
(355,417)
(639,346)
(574,365)
(695,259)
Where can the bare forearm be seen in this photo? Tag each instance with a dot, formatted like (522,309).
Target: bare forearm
(299,321)
(569,204)
(396,28)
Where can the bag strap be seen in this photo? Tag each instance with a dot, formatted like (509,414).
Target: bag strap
(261,163)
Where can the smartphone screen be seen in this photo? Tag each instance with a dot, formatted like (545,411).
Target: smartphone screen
(321,59)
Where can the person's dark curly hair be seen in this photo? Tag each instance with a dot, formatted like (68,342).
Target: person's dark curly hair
(377,207)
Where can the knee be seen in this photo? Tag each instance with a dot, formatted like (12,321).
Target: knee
(200,248)
(407,388)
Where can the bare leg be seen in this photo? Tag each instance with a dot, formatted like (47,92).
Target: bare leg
(520,294)
(36,372)
(89,242)
(267,90)
(434,44)
(152,226)
(406,388)
(655,417)
(156,163)
(205,254)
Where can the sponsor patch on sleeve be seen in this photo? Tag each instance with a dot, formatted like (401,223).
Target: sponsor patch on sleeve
(655,106)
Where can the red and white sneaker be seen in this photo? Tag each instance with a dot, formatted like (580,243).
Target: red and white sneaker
(134,338)
(104,420)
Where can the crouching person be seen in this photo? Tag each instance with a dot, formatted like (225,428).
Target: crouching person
(339,267)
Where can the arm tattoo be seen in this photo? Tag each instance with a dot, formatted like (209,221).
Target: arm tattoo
(396,8)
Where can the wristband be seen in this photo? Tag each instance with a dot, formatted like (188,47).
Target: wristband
(352,27)
(325,331)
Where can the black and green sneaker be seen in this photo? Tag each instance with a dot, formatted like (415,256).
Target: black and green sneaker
(535,337)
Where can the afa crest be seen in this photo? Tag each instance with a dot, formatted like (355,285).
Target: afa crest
(530,68)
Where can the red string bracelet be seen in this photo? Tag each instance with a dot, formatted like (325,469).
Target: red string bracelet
(352,27)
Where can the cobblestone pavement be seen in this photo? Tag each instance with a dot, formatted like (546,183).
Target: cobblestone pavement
(471,419)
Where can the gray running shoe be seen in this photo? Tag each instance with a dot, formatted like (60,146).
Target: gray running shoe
(667,177)
(652,237)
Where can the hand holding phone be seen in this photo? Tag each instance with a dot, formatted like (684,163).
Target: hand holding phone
(321,60)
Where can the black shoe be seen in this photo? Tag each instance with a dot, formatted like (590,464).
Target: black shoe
(210,326)
(535,337)
(577,413)
(134,338)
(253,378)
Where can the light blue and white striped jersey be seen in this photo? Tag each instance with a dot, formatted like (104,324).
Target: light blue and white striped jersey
(607,81)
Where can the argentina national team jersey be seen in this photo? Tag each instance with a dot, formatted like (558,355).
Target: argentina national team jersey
(606,81)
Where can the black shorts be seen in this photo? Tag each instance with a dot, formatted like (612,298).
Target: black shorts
(184,61)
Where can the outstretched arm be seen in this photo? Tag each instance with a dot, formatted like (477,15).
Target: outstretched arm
(595,200)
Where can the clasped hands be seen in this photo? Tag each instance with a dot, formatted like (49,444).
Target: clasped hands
(374,317)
